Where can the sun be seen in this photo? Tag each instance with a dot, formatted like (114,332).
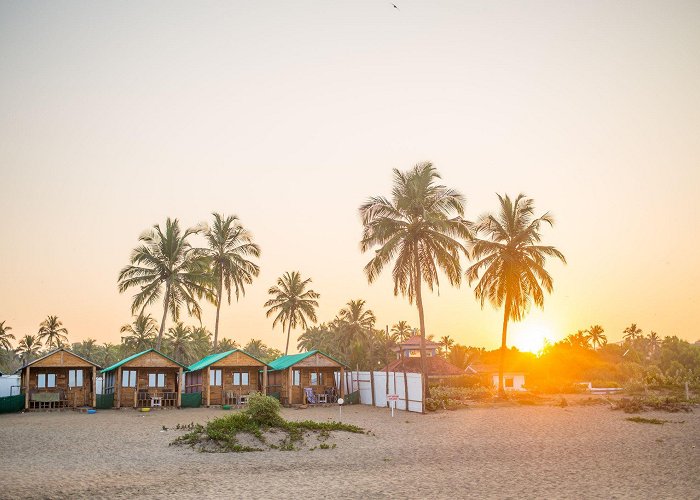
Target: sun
(530,337)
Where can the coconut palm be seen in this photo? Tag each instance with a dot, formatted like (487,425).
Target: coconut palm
(316,337)
(230,246)
(579,339)
(28,348)
(417,229)
(88,349)
(446,343)
(292,303)
(141,334)
(356,322)
(201,342)
(632,332)
(178,342)
(596,336)
(109,354)
(227,345)
(52,332)
(654,342)
(5,336)
(166,267)
(511,262)
(401,331)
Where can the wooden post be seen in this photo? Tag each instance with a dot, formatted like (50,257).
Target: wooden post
(26,390)
(264,391)
(94,387)
(405,385)
(371,384)
(290,380)
(342,382)
(119,387)
(208,384)
(178,388)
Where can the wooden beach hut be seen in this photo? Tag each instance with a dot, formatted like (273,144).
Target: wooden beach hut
(146,379)
(296,376)
(59,379)
(227,377)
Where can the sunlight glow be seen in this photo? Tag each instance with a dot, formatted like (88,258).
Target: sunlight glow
(530,337)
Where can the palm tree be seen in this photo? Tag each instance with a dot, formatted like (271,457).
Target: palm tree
(88,348)
(165,266)
(511,262)
(28,348)
(401,330)
(292,303)
(109,354)
(596,336)
(654,342)
(632,332)
(201,342)
(51,331)
(227,345)
(141,333)
(446,342)
(417,229)
(579,339)
(315,337)
(179,342)
(230,245)
(5,336)
(356,321)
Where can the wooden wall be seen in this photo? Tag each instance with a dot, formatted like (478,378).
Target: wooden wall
(59,363)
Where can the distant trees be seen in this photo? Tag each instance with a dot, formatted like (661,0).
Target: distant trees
(141,333)
(510,262)
(52,332)
(5,336)
(28,348)
(291,303)
(402,331)
(596,336)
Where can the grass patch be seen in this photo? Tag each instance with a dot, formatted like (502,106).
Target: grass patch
(669,404)
(642,420)
(249,430)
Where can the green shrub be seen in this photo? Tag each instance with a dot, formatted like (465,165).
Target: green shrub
(264,410)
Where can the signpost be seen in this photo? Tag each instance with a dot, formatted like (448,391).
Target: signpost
(340,407)
(394,398)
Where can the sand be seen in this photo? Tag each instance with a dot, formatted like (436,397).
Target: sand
(480,452)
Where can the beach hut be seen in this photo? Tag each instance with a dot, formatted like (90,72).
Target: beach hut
(146,379)
(513,379)
(59,379)
(227,377)
(309,377)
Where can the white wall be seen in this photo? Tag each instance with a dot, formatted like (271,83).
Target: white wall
(9,385)
(518,381)
(362,381)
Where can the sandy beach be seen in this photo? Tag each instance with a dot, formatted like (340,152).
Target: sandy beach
(481,452)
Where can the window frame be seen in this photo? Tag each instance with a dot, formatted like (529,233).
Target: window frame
(131,378)
(296,378)
(74,380)
(156,376)
(216,374)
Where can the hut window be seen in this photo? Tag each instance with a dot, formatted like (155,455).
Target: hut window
(296,377)
(156,380)
(316,378)
(509,382)
(215,377)
(241,378)
(45,380)
(129,378)
(75,378)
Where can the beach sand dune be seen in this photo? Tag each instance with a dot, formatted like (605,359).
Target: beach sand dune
(481,452)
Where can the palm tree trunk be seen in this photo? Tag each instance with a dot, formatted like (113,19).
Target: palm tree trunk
(289,331)
(165,315)
(506,315)
(218,308)
(421,320)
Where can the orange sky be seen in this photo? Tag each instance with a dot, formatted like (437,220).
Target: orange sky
(290,114)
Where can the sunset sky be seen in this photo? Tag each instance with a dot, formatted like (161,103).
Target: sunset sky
(114,116)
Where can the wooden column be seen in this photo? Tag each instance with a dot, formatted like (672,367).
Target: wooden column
(26,389)
(136,391)
(264,391)
(94,386)
(178,388)
(342,382)
(290,381)
(119,387)
(371,384)
(208,382)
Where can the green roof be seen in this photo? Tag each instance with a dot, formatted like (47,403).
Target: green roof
(213,358)
(292,359)
(134,356)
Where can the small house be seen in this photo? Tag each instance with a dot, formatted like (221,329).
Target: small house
(410,348)
(59,379)
(146,379)
(226,377)
(408,359)
(309,377)
(512,380)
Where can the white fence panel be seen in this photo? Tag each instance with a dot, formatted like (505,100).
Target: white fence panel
(363,382)
(9,385)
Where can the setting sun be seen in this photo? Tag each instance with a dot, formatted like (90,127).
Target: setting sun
(530,337)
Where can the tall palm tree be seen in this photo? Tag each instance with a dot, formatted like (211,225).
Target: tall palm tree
(654,342)
(5,336)
(401,330)
(596,336)
(511,262)
(166,267)
(579,339)
(230,246)
(28,348)
(109,354)
(418,230)
(292,303)
(356,321)
(315,337)
(446,342)
(632,332)
(141,334)
(52,332)
(201,342)
(179,342)
(88,348)
(227,345)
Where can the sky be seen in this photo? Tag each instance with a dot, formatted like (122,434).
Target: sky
(114,116)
